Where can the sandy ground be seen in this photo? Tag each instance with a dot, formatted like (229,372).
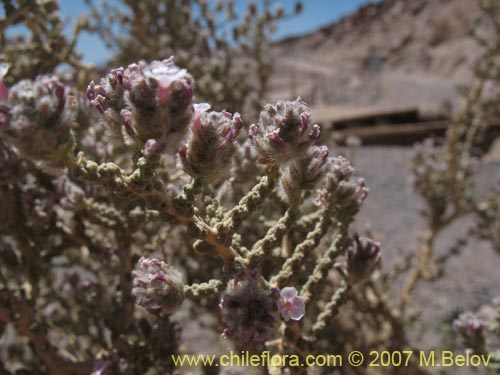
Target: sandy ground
(471,279)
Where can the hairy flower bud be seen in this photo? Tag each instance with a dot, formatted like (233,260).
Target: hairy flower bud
(36,120)
(340,190)
(362,259)
(209,150)
(284,132)
(157,286)
(340,170)
(146,101)
(249,309)
(306,172)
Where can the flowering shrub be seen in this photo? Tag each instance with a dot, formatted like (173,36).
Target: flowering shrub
(148,110)
(132,210)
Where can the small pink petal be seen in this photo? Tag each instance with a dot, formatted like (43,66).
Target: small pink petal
(298,308)
(201,107)
(163,92)
(289,292)
(315,132)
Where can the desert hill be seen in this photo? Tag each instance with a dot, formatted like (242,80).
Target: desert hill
(394,52)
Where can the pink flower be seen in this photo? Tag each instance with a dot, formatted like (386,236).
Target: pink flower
(290,304)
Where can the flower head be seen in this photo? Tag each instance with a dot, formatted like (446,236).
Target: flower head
(290,304)
(362,259)
(146,102)
(284,132)
(340,190)
(304,174)
(211,145)
(36,120)
(249,309)
(157,286)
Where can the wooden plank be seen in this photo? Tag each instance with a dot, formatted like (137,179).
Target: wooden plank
(401,134)
(339,114)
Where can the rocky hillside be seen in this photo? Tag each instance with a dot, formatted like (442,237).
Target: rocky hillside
(395,52)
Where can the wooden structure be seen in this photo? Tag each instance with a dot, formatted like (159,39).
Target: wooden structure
(378,125)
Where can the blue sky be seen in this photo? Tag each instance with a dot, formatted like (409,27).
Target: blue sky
(316,13)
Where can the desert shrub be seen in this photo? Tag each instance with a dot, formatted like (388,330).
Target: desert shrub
(132,210)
